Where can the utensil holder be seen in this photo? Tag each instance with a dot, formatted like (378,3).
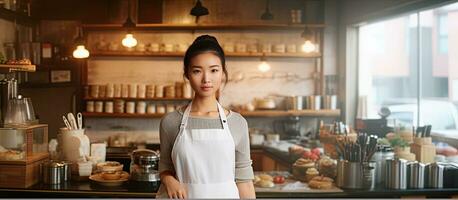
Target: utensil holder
(423,149)
(355,175)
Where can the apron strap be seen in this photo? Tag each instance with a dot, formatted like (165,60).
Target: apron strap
(222,116)
(184,119)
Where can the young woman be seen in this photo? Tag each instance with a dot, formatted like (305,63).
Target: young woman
(205,150)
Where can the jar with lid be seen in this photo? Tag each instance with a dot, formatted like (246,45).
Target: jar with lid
(160,109)
(169,91)
(102,91)
(141,91)
(89,106)
(132,90)
(99,106)
(141,107)
(109,107)
(130,107)
(124,90)
(110,90)
(169,108)
(119,106)
(117,90)
(151,108)
(94,91)
(159,91)
(150,91)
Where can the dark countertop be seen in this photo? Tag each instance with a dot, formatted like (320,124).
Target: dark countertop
(139,190)
(133,190)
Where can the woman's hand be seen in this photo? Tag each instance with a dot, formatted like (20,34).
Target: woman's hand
(175,189)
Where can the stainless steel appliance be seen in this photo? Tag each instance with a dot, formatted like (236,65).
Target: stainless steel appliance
(435,175)
(289,128)
(355,175)
(416,175)
(396,174)
(144,166)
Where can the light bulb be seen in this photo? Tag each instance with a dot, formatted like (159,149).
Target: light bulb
(129,41)
(264,66)
(308,46)
(80,52)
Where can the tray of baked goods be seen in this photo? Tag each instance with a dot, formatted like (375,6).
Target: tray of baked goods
(283,181)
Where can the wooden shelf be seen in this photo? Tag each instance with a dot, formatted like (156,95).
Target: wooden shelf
(291,113)
(121,115)
(20,18)
(12,68)
(261,113)
(166,27)
(136,99)
(181,54)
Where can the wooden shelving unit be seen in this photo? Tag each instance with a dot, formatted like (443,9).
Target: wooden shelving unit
(181,54)
(166,27)
(262,113)
(13,68)
(291,113)
(120,115)
(136,99)
(20,18)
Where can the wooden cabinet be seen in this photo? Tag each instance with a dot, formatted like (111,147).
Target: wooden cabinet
(263,161)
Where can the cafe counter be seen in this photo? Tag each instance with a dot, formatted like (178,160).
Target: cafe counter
(134,190)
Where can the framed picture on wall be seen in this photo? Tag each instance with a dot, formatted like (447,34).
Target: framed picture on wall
(61,76)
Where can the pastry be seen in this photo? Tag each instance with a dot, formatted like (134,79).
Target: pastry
(111,175)
(266,177)
(320,185)
(322,179)
(311,173)
(300,168)
(265,183)
(321,182)
(327,167)
(109,166)
(11,155)
(256,179)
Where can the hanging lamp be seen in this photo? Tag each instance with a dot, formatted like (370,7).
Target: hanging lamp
(264,66)
(309,41)
(199,10)
(129,40)
(267,15)
(80,51)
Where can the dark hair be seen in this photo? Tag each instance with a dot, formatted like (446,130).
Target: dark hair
(204,44)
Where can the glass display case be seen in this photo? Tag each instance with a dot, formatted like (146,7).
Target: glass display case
(22,144)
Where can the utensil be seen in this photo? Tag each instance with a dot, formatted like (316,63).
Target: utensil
(67,124)
(79,116)
(71,119)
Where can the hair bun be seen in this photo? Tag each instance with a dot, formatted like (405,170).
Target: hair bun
(206,38)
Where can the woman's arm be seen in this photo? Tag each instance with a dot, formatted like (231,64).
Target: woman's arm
(246,190)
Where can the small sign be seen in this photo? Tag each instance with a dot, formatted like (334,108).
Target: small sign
(61,76)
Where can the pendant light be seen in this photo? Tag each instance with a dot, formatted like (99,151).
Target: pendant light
(129,40)
(309,41)
(199,10)
(267,15)
(264,66)
(80,51)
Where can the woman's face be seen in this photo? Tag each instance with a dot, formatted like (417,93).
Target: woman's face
(205,74)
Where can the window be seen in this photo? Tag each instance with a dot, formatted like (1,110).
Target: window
(442,29)
(404,65)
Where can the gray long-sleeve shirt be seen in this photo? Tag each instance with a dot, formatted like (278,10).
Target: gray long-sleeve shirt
(170,126)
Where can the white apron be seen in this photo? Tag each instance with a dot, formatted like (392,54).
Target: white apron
(204,160)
